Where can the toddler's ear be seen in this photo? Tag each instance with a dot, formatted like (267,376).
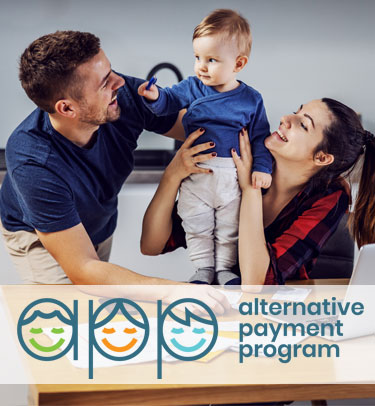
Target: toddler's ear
(241,62)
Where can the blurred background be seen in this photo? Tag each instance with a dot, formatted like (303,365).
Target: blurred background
(301,49)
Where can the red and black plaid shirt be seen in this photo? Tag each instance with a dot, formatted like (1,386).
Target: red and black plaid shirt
(296,236)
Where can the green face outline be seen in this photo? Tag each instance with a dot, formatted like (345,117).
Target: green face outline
(43,348)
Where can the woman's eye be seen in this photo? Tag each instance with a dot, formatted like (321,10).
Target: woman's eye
(303,126)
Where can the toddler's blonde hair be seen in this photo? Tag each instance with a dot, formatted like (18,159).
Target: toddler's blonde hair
(231,24)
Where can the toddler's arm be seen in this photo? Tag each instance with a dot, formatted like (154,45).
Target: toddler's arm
(261,180)
(170,99)
(259,129)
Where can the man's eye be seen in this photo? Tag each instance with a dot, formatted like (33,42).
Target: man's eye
(105,84)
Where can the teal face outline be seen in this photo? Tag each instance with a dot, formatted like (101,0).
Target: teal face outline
(212,322)
(119,307)
(72,321)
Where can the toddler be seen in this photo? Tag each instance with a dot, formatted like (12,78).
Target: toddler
(222,105)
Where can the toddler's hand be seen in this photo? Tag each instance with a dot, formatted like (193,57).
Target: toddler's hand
(261,180)
(151,94)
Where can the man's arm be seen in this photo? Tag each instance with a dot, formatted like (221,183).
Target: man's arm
(74,251)
(177,132)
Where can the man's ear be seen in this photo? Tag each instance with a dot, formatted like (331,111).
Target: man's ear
(65,108)
(241,62)
(322,159)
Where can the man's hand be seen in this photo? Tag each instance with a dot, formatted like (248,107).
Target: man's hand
(152,94)
(212,297)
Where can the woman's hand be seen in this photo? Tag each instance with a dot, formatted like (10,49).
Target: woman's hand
(244,162)
(187,157)
(157,222)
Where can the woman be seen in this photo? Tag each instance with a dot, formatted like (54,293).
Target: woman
(282,232)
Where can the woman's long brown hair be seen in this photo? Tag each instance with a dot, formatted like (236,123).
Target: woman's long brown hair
(362,220)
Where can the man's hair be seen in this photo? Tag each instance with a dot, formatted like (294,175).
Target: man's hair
(230,24)
(47,68)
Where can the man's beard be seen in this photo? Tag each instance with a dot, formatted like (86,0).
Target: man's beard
(92,117)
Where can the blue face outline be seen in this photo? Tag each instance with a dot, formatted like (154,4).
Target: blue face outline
(212,322)
(94,325)
(72,321)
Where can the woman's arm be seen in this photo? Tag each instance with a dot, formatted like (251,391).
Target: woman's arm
(253,254)
(157,221)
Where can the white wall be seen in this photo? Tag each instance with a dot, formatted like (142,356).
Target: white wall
(302,49)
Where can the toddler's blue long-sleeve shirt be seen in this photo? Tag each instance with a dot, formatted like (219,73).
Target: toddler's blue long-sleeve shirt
(222,115)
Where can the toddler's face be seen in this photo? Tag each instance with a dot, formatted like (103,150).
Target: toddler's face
(215,61)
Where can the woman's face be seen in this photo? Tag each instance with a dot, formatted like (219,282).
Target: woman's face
(300,133)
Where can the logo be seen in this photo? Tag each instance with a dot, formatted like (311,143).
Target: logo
(118,330)
(185,338)
(30,325)
(117,344)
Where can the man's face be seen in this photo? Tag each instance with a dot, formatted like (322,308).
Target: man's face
(98,104)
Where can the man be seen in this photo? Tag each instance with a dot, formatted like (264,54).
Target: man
(68,160)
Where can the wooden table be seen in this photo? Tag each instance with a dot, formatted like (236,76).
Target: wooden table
(163,395)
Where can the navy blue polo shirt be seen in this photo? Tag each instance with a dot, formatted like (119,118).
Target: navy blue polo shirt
(52,184)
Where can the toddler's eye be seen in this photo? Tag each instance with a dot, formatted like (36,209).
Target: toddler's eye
(212,60)
(197,57)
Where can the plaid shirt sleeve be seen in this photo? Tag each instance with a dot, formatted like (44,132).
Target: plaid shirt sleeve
(177,237)
(301,243)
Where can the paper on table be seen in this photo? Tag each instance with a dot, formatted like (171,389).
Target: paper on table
(233,297)
(291,294)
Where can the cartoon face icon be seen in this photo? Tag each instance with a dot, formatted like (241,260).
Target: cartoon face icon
(190,337)
(114,339)
(35,322)
(50,348)
(120,348)
(188,348)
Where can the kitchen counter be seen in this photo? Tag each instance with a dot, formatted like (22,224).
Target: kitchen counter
(137,176)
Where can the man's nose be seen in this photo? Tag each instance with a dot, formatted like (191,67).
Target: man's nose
(119,82)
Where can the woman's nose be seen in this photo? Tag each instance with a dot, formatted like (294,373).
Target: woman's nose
(286,121)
